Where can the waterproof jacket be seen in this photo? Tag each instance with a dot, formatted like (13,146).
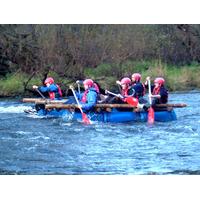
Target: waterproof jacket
(88,99)
(128,92)
(163,92)
(53,91)
(139,90)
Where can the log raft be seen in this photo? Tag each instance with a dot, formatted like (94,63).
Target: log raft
(68,106)
(59,104)
(43,101)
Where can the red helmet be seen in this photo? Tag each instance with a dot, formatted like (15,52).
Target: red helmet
(159,80)
(137,76)
(49,80)
(126,81)
(88,82)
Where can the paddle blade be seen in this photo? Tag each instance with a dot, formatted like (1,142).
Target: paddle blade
(132,101)
(151,116)
(85,119)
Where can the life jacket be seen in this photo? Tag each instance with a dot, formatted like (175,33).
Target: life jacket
(59,90)
(163,92)
(84,97)
(52,95)
(125,92)
(96,88)
(156,91)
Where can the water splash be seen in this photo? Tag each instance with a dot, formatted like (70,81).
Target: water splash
(14,109)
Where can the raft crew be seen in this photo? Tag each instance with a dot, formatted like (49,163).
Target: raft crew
(50,87)
(159,90)
(127,91)
(138,87)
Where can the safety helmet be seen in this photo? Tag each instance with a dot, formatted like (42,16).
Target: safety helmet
(49,80)
(88,82)
(125,81)
(137,76)
(159,80)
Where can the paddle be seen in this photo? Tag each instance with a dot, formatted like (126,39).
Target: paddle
(119,86)
(84,116)
(40,93)
(130,100)
(151,116)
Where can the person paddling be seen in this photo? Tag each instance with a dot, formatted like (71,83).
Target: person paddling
(101,95)
(159,90)
(88,98)
(128,91)
(138,87)
(50,87)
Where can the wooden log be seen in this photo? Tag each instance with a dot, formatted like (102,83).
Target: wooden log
(176,105)
(68,106)
(43,101)
(31,100)
(48,101)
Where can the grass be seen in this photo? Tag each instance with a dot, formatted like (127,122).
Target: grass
(177,78)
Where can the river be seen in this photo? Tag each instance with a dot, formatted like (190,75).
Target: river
(37,145)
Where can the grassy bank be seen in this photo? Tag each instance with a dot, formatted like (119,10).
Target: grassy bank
(177,78)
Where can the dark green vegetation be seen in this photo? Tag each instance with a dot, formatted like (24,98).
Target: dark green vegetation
(30,53)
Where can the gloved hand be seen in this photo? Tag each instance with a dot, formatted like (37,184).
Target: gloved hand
(118,82)
(148,78)
(35,87)
(71,87)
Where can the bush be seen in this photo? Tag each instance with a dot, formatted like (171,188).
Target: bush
(12,85)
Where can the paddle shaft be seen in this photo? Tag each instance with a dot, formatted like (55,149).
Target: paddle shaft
(108,92)
(40,93)
(150,100)
(77,101)
(79,90)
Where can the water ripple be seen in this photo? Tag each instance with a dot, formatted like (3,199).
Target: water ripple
(38,145)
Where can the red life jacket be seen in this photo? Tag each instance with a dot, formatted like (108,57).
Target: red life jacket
(59,90)
(156,91)
(84,97)
(125,92)
(52,94)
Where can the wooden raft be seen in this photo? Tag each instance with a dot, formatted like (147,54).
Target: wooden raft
(68,106)
(43,101)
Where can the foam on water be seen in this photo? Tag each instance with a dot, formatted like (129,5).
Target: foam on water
(14,109)
(30,144)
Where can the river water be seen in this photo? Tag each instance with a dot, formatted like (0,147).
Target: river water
(37,145)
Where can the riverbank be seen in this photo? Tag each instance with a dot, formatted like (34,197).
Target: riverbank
(177,78)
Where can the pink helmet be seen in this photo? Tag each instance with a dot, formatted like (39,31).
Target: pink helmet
(137,76)
(159,80)
(125,81)
(88,82)
(49,80)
